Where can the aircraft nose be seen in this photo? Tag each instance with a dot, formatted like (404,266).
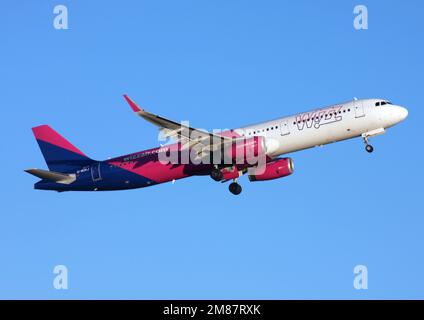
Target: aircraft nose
(402,113)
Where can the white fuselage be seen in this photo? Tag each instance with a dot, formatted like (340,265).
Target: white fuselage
(338,122)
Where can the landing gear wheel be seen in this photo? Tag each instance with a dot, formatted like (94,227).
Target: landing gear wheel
(369,148)
(235,188)
(216,175)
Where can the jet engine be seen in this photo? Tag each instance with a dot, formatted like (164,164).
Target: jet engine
(275,169)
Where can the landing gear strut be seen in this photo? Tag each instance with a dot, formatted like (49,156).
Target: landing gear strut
(235,188)
(369,148)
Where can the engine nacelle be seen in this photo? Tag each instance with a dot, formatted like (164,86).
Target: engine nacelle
(275,169)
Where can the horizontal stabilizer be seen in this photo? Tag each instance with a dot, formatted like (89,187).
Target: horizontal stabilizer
(52,176)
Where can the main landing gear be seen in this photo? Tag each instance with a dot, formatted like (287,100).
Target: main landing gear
(235,188)
(217,175)
(369,148)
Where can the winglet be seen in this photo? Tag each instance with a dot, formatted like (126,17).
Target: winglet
(132,104)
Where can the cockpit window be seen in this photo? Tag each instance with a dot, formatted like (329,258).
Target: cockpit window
(382,103)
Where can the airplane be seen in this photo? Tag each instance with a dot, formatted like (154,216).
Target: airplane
(71,170)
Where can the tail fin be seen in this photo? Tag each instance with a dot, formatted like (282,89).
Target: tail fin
(60,154)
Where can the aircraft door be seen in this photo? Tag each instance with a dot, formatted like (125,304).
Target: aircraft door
(95,172)
(359,109)
(284,128)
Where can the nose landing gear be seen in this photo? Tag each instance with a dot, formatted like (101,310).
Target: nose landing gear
(369,148)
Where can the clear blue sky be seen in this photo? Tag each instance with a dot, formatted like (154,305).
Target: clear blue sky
(219,64)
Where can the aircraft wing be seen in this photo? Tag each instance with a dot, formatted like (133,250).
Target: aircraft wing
(179,131)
